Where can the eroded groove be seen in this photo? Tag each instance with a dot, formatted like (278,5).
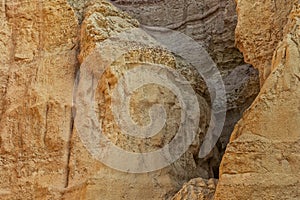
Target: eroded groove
(69,149)
(72,127)
(194,18)
(79,10)
(46,124)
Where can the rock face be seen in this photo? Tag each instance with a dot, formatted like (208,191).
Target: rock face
(258,46)
(212,24)
(197,189)
(43,43)
(89,178)
(42,156)
(262,159)
(38,61)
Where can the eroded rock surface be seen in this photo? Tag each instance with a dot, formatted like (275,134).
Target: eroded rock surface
(197,188)
(262,159)
(259,30)
(38,61)
(212,24)
(89,178)
(42,46)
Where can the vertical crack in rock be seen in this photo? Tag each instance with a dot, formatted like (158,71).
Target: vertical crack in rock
(72,120)
(46,124)
(78,6)
(5,9)
(69,149)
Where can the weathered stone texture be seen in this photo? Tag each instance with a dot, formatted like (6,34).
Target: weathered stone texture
(37,67)
(262,159)
(212,24)
(197,188)
(42,46)
(259,30)
(89,178)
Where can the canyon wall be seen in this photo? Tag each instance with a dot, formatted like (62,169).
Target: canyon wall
(212,24)
(49,47)
(262,159)
(101,26)
(38,49)
(257,35)
(43,44)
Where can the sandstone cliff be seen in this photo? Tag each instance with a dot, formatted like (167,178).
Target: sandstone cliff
(212,24)
(38,62)
(48,48)
(262,159)
(89,178)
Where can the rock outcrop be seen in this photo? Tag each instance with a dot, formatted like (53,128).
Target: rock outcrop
(42,156)
(259,30)
(90,179)
(197,188)
(212,24)
(44,44)
(262,159)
